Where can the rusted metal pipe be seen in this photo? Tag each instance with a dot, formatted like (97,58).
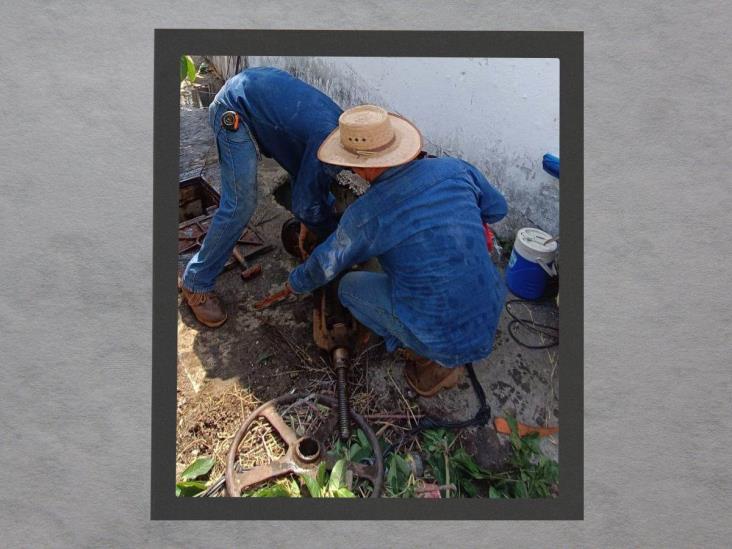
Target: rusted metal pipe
(307,450)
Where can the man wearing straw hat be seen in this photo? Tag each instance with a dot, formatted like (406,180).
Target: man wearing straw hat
(439,296)
(261,109)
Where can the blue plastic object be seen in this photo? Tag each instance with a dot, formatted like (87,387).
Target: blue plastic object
(550,163)
(525,278)
(531,263)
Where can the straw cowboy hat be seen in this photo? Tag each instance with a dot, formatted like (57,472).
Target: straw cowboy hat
(369,137)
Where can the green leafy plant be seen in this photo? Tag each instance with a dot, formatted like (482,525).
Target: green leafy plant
(188,485)
(322,485)
(188,69)
(530,473)
(285,488)
(325,484)
(449,465)
(356,449)
(400,481)
(329,486)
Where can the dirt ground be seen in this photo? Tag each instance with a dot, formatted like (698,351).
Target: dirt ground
(223,374)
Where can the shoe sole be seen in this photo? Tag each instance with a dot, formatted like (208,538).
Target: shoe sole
(210,325)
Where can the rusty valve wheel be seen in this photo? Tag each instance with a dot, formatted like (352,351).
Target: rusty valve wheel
(305,452)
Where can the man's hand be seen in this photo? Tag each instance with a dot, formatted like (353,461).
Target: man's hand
(306,241)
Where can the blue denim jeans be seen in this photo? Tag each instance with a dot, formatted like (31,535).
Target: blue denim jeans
(368,297)
(238,162)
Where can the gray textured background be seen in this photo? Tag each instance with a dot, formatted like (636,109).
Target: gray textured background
(76,216)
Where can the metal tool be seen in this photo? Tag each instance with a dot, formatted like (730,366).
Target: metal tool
(334,331)
(307,447)
(248,272)
(230,121)
(273,298)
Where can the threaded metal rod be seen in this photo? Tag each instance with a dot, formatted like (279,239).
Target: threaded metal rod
(343,412)
(340,360)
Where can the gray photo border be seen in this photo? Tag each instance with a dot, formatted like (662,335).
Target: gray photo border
(169,45)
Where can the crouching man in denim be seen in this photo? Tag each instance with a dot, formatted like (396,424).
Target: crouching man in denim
(439,297)
(269,110)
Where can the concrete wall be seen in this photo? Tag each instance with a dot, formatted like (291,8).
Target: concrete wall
(501,115)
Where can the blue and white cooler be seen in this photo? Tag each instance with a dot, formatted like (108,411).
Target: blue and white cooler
(531,263)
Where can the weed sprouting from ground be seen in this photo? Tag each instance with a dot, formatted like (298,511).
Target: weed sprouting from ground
(528,474)
(441,469)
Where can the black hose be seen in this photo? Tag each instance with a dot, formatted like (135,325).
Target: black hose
(542,330)
(481,417)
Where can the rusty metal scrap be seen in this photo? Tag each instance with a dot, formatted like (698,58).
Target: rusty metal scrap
(197,204)
(304,454)
(273,298)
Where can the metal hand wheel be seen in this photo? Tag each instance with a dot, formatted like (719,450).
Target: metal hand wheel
(306,448)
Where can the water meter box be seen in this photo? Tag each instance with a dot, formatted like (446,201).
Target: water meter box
(196,197)
(197,204)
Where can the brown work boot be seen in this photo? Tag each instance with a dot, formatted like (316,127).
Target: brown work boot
(206,307)
(426,376)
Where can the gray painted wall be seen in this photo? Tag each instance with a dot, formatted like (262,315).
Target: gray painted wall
(501,115)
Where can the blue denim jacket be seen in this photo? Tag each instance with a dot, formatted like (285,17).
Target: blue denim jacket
(289,120)
(423,221)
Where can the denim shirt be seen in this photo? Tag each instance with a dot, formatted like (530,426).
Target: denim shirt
(289,120)
(423,221)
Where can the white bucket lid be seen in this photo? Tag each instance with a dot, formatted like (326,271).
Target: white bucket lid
(531,244)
